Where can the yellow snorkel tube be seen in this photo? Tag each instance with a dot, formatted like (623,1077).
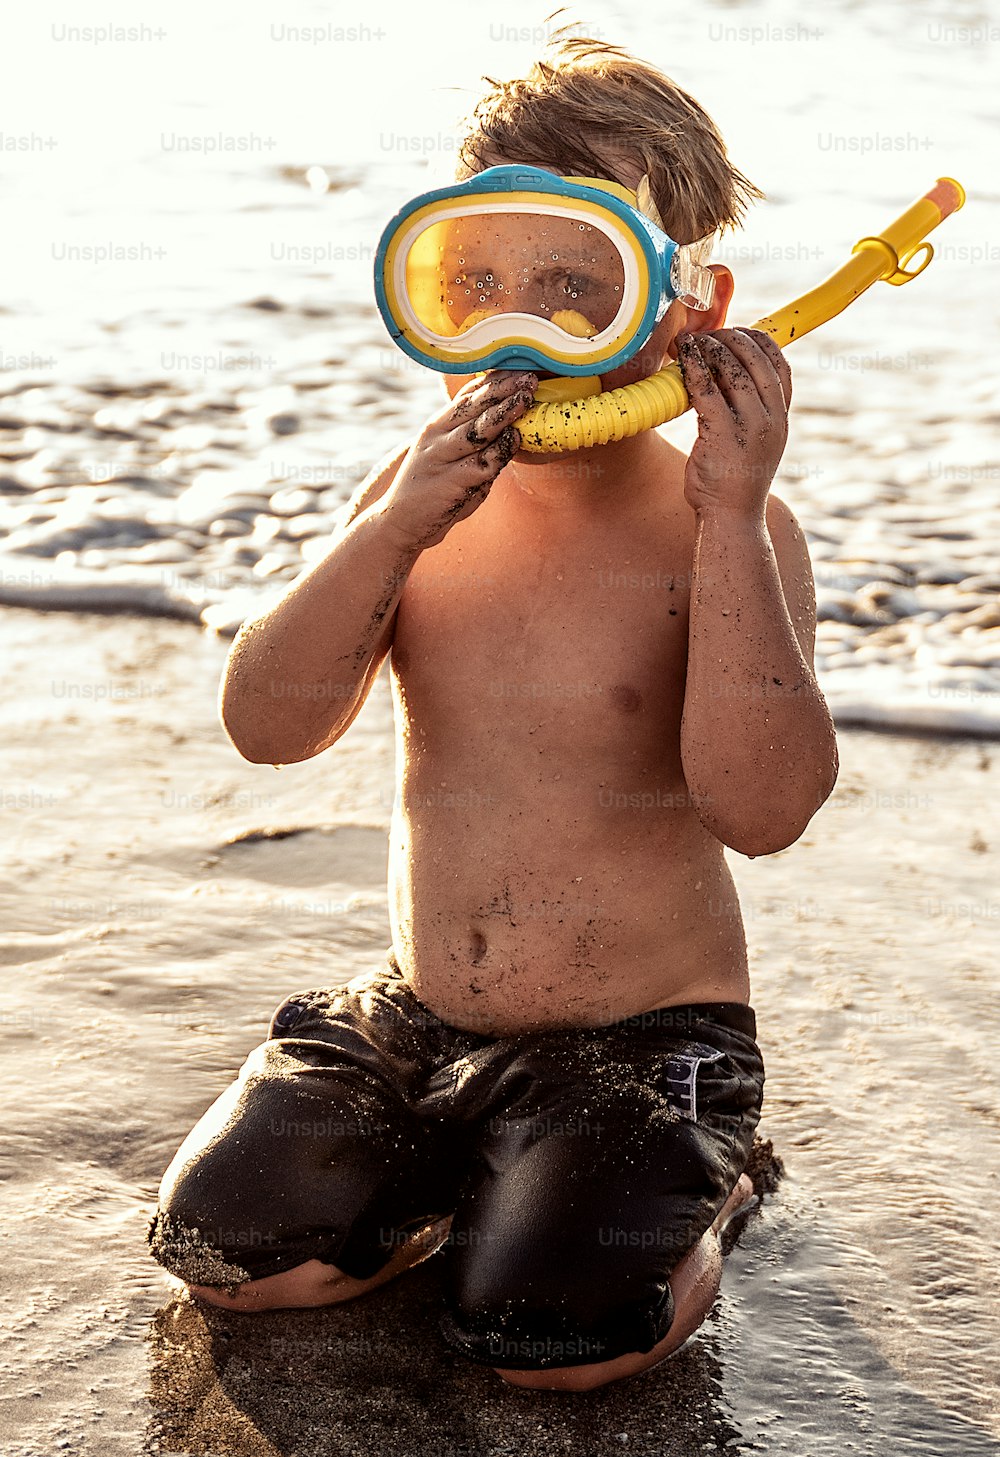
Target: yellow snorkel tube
(562,420)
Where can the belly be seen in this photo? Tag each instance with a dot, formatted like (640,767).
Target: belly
(546,865)
(514,912)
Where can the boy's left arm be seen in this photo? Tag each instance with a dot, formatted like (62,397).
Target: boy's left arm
(757,740)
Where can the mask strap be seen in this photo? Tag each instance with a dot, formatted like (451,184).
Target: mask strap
(700,249)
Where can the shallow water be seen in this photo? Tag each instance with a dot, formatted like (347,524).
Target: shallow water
(180,425)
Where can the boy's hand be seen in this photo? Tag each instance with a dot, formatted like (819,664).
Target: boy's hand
(458,455)
(740,385)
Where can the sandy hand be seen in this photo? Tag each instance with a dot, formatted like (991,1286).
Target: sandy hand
(740,385)
(458,455)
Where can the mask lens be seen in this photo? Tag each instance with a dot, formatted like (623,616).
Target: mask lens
(480,265)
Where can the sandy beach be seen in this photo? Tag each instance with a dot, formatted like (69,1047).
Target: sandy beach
(160,896)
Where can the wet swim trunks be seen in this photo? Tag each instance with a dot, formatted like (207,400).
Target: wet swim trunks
(580,1165)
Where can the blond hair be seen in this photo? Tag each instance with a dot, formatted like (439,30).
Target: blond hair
(588,106)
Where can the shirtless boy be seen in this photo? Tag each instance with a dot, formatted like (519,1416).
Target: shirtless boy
(601,664)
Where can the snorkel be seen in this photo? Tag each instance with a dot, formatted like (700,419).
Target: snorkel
(570,414)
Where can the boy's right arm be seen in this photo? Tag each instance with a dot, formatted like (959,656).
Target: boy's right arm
(297,676)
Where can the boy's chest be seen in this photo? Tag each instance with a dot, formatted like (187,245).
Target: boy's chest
(571,629)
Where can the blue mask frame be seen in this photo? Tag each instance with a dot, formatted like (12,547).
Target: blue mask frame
(661,278)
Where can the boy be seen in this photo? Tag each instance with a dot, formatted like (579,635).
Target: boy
(556,1073)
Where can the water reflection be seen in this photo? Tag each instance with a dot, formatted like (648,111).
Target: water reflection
(781,1366)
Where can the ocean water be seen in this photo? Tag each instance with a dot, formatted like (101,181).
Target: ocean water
(194,375)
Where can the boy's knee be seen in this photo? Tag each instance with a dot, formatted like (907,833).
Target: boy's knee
(195,1252)
(565,1378)
(309,1284)
(543,1328)
(243,1299)
(200,1231)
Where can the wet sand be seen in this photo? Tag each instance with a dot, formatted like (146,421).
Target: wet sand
(160,896)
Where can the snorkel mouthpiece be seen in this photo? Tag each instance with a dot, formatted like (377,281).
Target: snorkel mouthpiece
(573,323)
(569,320)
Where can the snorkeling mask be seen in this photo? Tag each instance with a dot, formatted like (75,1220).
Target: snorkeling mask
(519,268)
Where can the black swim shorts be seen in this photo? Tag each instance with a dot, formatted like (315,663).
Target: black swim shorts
(579,1165)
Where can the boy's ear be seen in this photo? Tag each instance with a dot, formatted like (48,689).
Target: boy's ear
(702,321)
